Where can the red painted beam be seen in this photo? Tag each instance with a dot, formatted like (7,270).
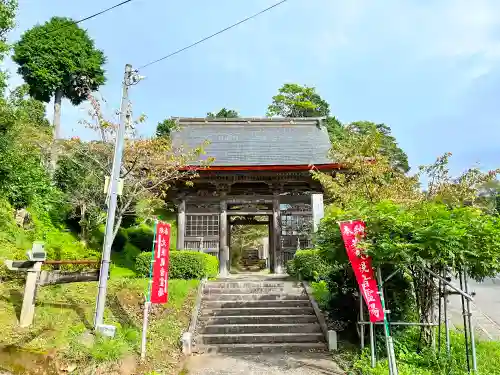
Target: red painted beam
(279,168)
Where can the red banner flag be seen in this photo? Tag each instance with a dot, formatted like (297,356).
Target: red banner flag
(352,232)
(159,282)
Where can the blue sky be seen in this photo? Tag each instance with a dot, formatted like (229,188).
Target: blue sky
(429,69)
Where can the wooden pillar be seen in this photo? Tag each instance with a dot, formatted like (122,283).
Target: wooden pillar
(277,250)
(223,248)
(181,224)
(270,241)
(229,244)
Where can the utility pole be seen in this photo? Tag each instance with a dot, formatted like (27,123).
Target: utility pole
(128,79)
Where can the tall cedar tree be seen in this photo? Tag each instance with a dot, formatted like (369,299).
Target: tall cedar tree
(58,59)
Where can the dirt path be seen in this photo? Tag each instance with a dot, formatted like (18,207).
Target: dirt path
(269,364)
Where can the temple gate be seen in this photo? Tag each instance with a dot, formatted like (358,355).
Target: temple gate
(261,175)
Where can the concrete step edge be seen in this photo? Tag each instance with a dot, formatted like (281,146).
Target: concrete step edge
(257,301)
(263,325)
(321,345)
(260,316)
(259,294)
(203,335)
(257,308)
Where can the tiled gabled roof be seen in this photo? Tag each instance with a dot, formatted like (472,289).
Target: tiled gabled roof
(256,141)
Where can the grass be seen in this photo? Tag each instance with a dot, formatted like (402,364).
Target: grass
(64,313)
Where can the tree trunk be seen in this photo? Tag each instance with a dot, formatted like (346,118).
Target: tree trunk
(57,129)
(426,293)
(118,222)
(83,212)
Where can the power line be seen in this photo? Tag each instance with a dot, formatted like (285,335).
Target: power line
(211,36)
(90,17)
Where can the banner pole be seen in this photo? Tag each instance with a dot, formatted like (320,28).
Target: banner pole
(393,368)
(147,303)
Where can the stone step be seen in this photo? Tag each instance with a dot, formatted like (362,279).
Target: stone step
(259,319)
(245,284)
(255,296)
(238,311)
(252,290)
(258,303)
(223,329)
(263,348)
(260,338)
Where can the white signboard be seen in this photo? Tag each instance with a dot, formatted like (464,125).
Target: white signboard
(317,209)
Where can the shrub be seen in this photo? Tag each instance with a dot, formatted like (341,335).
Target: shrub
(97,238)
(321,294)
(309,264)
(120,240)
(141,236)
(143,264)
(182,265)
(129,255)
(290,268)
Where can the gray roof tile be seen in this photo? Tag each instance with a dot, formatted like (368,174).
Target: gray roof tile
(251,142)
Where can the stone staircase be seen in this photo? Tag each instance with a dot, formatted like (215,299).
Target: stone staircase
(255,316)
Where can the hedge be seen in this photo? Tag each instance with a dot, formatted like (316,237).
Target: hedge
(141,236)
(182,265)
(308,263)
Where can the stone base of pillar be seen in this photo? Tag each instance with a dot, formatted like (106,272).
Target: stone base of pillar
(278,270)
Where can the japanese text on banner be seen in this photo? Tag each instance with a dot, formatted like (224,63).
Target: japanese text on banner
(352,232)
(159,281)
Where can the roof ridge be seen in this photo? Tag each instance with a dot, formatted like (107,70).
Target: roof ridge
(248,120)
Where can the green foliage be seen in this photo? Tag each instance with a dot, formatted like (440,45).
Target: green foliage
(77,62)
(7,15)
(388,145)
(59,244)
(164,128)
(141,236)
(182,265)
(224,113)
(29,110)
(22,174)
(423,234)
(244,237)
(290,268)
(143,264)
(120,240)
(294,100)
(128,256)
(83,192)
(321,293)
(411,361)
(108,349)
(309,264)
(373,172)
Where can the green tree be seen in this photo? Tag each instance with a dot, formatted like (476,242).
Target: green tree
(371,175)
(165,128)
(245,237)
(7,22)
(33,110)
(58,59)
(224,113)
(388,145)
(294,100)
(23,177)
(149,168)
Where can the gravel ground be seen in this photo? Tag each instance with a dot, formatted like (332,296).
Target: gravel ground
(270,364)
